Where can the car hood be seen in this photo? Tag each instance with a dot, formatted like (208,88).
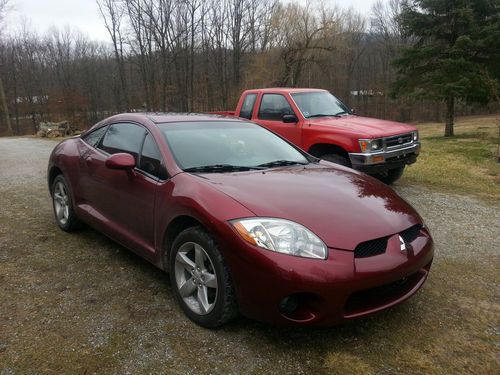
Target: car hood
(364,126)
(343,207)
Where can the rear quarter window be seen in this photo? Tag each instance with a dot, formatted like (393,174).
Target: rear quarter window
(247,106)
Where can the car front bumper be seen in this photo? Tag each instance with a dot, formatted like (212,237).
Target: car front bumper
(330,291)
(381,161)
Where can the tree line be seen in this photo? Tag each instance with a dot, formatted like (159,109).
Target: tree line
(198,55)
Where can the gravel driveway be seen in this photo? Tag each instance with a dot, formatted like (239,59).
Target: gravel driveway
(81,304)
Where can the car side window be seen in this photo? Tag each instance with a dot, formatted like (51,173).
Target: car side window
(247,106)
(273,107)
(123,138)
(95,136)
(151,160)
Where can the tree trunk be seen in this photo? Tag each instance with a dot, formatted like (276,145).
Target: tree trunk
(450,116)
(5,108)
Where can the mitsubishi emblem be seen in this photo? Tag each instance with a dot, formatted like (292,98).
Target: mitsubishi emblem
(402,244)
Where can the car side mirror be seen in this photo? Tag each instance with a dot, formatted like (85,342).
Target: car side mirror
(121,160)
(289,119)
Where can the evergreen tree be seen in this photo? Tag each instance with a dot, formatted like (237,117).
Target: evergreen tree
(454,52)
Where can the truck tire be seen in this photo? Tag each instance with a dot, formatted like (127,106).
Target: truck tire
(337,159)
(391,176)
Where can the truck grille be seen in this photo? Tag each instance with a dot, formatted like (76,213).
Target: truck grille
(398,140)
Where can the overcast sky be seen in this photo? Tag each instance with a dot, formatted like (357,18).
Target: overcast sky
(84,14)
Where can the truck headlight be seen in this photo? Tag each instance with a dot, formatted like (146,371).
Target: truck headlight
(415,135)
(282,236)
(369,145)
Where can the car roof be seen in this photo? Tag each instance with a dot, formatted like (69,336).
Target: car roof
(282,90)
(166,117)
(163,117)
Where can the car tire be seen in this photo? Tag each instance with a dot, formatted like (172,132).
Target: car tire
(201,280)
(62,204)
(391,176)
(337,159)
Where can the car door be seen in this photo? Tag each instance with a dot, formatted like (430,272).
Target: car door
(125,199)
(270,115)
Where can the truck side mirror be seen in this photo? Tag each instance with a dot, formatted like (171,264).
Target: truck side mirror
(353,111)
(289,119)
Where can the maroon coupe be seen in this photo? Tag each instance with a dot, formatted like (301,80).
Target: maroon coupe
(243,220)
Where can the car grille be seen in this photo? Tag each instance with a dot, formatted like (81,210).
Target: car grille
(377,246)
(371,248)
(363,301)
(398,140)
(411,233)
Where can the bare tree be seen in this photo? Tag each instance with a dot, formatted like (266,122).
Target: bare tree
(196,55)
(3,99)
(302,36)
(112,13)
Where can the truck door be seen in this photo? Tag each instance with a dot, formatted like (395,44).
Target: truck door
(270,115)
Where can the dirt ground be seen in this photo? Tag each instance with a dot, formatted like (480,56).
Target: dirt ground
(81,304)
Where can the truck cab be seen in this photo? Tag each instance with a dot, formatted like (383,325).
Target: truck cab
(322,125)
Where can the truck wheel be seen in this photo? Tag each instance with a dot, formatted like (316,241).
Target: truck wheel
(337,159)
(391,176)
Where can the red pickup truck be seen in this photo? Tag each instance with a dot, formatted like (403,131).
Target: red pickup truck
(319,123)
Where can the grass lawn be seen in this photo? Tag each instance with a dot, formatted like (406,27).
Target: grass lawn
(463,164)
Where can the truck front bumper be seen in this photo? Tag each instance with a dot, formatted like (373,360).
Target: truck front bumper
(384,160)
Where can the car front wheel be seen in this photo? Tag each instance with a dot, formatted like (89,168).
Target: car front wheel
(201,279)
(63,205)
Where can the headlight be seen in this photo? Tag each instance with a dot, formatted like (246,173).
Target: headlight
(282,236)
(415,135)
(368,145)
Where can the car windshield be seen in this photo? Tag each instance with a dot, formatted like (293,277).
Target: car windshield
(225,146)
(319,103)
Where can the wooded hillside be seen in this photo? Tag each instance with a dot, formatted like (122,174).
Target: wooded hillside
(195,55)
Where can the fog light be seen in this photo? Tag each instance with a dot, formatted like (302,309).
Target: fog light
(378,159)
(289,305)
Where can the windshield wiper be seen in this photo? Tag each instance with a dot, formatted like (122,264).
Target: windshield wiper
(281,163)
(220,168)
(323,115)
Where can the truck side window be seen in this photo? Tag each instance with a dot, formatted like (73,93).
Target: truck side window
(273,107)
(247,106)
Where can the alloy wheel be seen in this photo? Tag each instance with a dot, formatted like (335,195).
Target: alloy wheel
(196,278)
(61,203)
